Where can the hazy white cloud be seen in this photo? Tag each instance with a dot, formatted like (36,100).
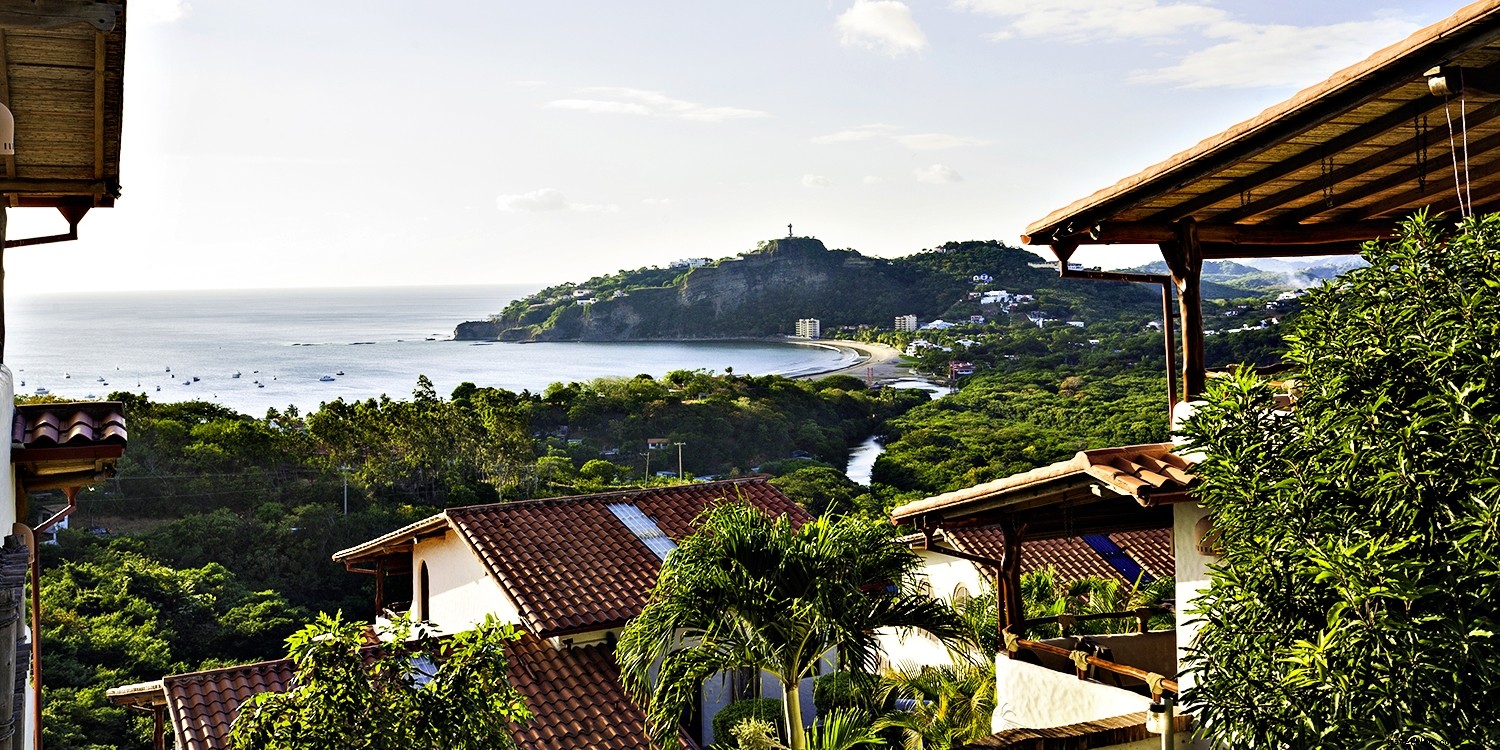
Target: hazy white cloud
(529,84)
(1093,20)
(886,26)
(599,106)
(816,181)
(658,202)
(1279,55)
(938,174)
(913,141)
(937,141)
(872,180)
(547,199)
(158,11)
(855,134)
(630,101)
(1229,52)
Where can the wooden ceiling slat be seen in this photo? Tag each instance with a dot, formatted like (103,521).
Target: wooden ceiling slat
(1442,195)
(1351,171)
(1435,167)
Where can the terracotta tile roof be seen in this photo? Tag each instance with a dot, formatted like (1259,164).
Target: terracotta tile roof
(571,566)
(575,697)
(203,705)
(67,445)
(68,424)
(1073,557)
(1151,548)
(1152,474)
(569,563)
(1090,734)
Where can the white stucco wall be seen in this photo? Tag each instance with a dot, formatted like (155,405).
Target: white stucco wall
(944,574)
(463,592)
(1192,575)
(1034,697)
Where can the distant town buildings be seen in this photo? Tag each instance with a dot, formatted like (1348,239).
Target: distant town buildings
(809,328)
(906,323)
(983,278)
(690,263)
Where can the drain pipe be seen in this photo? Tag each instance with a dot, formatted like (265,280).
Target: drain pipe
(36,613)
(1065,251)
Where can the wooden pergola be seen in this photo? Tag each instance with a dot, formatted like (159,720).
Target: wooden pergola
(62,74)
(1415,126)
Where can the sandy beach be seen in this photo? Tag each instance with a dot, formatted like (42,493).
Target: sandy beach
(879,361)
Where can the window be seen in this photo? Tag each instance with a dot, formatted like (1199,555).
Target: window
(424,613)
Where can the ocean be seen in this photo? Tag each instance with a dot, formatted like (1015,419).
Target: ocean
(178,346)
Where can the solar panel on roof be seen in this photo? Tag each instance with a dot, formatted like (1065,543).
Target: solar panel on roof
(644,528)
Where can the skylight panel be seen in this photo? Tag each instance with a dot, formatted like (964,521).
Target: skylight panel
(644,528)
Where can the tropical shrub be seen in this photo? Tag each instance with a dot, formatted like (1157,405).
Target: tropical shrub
(1354,603)
(764,709)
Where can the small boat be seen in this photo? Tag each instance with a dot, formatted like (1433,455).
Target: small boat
(340,372)
(67,375)
(101,378)
(169,369)
(236,374)
(42,391)
(91,397)
(260,385)
(326,379)
(195,378)
(158,388)
(23,384)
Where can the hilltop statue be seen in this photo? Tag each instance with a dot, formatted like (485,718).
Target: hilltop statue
(789,231)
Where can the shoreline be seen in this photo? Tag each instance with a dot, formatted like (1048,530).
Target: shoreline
(882,363)
(878,361)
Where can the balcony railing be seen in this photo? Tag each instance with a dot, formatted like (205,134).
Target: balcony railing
(1156,683)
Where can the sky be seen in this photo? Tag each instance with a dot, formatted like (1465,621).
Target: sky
(323,143)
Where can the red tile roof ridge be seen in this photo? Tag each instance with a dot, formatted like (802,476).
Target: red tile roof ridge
(204,674)
(1096,462)
(632,492)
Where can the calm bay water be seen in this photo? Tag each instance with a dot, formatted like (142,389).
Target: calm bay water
(380,339)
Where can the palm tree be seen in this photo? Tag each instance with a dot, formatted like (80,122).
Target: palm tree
(950,705)
(747,590)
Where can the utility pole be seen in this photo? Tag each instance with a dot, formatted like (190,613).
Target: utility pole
(345,470)
(679,460)
(647,454)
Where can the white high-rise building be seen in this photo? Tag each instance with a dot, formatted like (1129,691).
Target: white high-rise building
(906,322)
(809,328)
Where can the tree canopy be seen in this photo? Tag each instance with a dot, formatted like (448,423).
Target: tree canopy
(410,691)
(1354,604)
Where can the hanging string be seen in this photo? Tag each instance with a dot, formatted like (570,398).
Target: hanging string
(1463,119)
(1421,138)
(1458,185)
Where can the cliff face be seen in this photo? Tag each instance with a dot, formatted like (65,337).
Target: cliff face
(758,294)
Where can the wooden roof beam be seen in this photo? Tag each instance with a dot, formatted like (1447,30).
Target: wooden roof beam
(1151,233)
(1441,196)
(1355,169)
(1398,117)
(50,14)
(1438,167)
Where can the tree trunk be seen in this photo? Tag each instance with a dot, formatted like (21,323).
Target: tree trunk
(792,702)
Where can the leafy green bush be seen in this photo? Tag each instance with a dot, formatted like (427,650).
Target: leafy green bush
(1354,603)
(836,690)
(766,709)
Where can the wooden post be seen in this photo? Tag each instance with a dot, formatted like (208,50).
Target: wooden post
(1010,571)
(159,729)
(379,586)
(1184,258)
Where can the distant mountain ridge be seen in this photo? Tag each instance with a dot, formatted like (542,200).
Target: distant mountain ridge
(764,292)
(1268,274)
